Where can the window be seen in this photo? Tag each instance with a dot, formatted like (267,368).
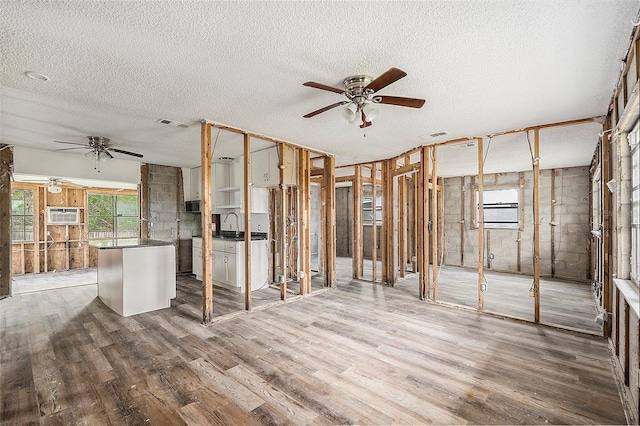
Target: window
(367,211)
(113,216)
(22,215)
(634,143)
(501,207)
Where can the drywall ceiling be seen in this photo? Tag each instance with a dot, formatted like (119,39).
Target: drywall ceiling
(115,68)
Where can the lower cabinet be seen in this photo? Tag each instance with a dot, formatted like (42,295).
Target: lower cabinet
(228,263)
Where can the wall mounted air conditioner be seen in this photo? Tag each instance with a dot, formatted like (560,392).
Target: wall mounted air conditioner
(63,215)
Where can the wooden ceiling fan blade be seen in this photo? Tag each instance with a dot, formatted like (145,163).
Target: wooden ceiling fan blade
(323,87)
(121,151)
(327,108)
(106,151)
(391,76)
(400,101)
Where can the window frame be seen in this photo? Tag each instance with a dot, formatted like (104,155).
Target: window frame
(24,215)
(115,216)
(519,207)
(634,145)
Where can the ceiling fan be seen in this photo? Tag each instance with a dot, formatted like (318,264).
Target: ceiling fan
(360,91)
(53,184)
(99,148)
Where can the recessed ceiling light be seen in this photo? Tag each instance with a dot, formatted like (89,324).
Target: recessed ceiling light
(36,76)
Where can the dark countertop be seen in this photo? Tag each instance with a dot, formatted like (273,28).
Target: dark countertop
(128,243)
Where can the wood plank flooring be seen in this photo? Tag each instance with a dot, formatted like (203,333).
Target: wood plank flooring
(563,303)
(359,354)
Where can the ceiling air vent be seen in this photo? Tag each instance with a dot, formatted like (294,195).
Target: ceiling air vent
(63,215)
(173,123)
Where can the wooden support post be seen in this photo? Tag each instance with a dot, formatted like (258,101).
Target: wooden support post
(144,192)
(606,232)
(205,205)
(247,222)
(304,219)
(357,256)
(329,179)
(536,224)
(284,255)
(434,219)
(388,218)
(402,242)
(553,227)
(415,222)
(6,247)
(480,225)
(36,232)
(462,221)
(384,230)
(374,222)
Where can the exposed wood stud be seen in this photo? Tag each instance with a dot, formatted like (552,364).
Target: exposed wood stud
(330,214)
(536,224)
(462,224)
(374,222)
(552,228)
(434,219)
(284,258)
(247,222)
(606,232)
(205,205)
(402,234)
(304,220)
(357,240)
(481,285)
(6,247)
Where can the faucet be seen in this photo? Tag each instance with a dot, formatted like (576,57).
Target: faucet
(237,225)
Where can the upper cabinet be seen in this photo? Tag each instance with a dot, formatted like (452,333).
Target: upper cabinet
(227,180)
(196,174)
(265,167)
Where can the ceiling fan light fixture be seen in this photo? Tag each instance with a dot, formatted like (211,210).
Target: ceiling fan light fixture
(349,112)
(54,189)
(370,112)
(97,156)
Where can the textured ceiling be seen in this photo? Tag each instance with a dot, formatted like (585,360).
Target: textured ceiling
(115,68)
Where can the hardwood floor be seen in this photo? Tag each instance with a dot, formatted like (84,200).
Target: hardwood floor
(362,353)
(563,303)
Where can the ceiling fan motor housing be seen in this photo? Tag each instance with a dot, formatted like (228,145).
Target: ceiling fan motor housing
(355,88)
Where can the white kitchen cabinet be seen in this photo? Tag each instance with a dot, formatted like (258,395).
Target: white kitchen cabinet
(196,257)
(265,170)
(196,177)
(228,263)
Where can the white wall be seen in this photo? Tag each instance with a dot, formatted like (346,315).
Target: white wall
(55,164)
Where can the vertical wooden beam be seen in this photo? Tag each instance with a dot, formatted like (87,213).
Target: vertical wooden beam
(553,220)
(205,206)
(536,224)
(284,257)
(6,247)
(402,222)
(374,224)
(384,229)
(434,219)
(606,231)
(441,252)
(357,242)
(36,230)
(304,219)
(415,223)
(329,178)
(247,221)
(462,221)
(481,286)
(144,192)
(388,217)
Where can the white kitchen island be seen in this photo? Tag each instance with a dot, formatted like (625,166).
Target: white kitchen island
(136,275)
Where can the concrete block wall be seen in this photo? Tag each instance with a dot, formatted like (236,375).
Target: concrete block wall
(570,230)
(167,211)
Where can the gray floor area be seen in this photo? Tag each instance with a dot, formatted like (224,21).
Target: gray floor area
(29,283)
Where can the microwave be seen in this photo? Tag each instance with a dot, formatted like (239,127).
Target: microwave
(192,206)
